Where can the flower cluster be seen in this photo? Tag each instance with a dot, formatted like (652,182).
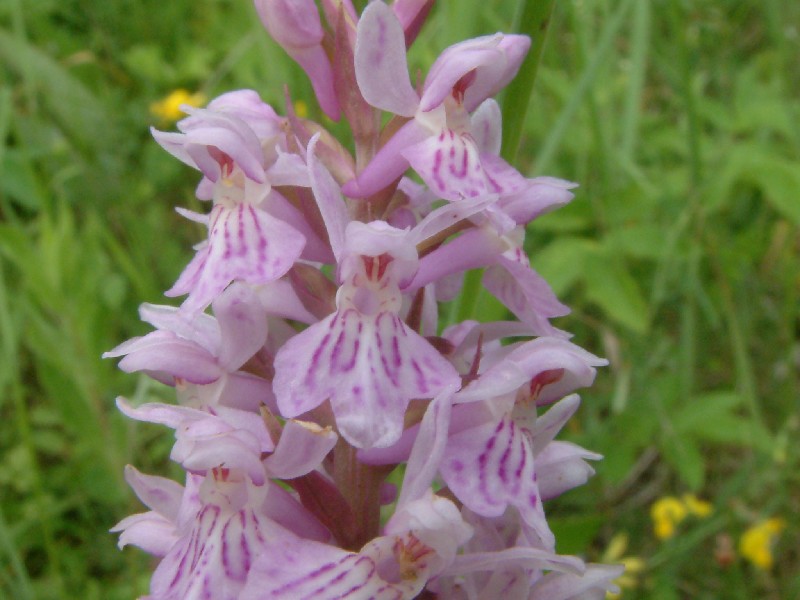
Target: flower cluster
(321,368)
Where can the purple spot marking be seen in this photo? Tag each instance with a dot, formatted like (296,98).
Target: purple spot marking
(501,471)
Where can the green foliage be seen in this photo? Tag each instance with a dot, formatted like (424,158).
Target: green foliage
(680,257)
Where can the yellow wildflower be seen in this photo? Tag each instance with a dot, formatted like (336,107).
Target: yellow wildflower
(168,110)
(633,564)
(756,543)
(668,511)
(699,508)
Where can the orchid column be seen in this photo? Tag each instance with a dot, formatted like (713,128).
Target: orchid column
(307,356)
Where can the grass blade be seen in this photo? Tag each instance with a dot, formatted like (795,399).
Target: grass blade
(533,20)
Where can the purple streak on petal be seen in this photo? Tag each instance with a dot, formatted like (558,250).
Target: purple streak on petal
(244,244)
(388,164)
(491,466)
(449,165)
(224,537)
(343,358)
(503,178)
(380,62)
(306,570)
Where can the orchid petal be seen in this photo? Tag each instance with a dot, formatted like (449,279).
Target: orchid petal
(243,325)
(525,293)
(540,195)
(225,537)
(296,26)
(166,356)
(486,127)
(329,199)
(202,329)
(380,61)
(440,219)
(472,249)
(491,78)
(317,66)
(157,493)
(592,584)
(450,165)
(531,558)
(561,466)
(244,244)
(388,164)
(412,15)
(457,61)
(307,570)
(428,449)
(149,531)
(279,299)
(490,467)
(242,146)
(248,106)
(570,366)
(301,449)
(369,367)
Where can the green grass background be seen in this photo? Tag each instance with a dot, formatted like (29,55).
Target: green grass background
(680,257)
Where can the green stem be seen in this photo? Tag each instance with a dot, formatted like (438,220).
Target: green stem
(533,19)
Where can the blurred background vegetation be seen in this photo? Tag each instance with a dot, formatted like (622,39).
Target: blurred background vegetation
(680,257)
